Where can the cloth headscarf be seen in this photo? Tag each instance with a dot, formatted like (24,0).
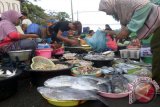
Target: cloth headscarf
(7,26)
(121,10)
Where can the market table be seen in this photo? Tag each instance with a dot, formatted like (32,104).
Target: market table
(27,96)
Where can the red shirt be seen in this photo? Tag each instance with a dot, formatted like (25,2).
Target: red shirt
(13,36)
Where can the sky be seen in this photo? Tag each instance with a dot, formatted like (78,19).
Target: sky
(85,11)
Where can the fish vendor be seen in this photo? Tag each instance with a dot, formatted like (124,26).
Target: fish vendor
(10,38)
(142,18)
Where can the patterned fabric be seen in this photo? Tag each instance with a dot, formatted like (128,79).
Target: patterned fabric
(151,23)
(139,17)
(7,26)
(121,9)
(10,47)
(155,48)
(155,2)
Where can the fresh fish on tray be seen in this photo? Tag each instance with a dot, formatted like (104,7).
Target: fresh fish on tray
(67,93)
(60,81)
(117,84)
(97,57)
(88,84)
(81,82)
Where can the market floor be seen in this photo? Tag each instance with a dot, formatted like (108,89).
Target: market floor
(27,96)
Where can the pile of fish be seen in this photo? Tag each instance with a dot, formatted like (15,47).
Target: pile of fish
(82,87)
(7,73)
(79,62)
(100,56)
(124,68)
(86,70)
(70,56)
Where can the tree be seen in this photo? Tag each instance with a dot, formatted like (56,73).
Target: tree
(35,13)
(38,15)
(61,16)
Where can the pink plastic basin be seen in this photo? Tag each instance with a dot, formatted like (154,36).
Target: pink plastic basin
(47,52)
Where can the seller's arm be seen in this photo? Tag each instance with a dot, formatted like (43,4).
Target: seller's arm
(111,32)
(66,40)
(136,23)
(18,36)
(25,36)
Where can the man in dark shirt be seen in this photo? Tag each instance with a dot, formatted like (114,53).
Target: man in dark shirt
(62,26)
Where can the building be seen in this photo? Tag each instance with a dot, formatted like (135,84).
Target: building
(9,5)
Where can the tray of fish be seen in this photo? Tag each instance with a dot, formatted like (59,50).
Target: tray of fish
(118,87)
(7,73)
(80,62)
(97,57)
(8,81)
(69,56)
(86,70)
(75,88)
(80,82)
(42,64)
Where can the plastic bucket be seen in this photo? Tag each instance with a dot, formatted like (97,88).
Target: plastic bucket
(44,52)
(134,54)
(124,53)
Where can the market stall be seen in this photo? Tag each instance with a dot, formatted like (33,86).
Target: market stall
(99,76)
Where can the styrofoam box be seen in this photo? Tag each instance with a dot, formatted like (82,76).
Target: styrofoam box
(124,53)
(134,54)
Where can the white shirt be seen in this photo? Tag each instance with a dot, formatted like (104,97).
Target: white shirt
(27,22)
(19,29)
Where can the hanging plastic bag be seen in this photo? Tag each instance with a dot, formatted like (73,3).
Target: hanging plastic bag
(97,41)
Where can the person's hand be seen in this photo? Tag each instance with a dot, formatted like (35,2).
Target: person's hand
(33,36)
(124,33)
(56,45)
(74,42)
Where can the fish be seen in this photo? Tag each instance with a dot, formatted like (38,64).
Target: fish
(81,82)
(117,84)
(60,81)
(89,83)
(100,80)
(7,73)
(67,93)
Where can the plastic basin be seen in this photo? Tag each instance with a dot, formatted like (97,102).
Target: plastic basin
(44,52)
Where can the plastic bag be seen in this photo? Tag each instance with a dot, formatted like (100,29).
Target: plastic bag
(97,41)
